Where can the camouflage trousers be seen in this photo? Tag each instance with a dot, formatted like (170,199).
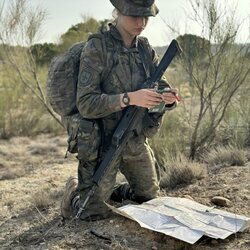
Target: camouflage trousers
(136,162)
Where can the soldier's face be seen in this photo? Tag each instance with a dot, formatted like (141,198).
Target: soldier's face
(134,25)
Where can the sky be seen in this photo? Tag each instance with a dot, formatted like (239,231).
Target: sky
(62,14)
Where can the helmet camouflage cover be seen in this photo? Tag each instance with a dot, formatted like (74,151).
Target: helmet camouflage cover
(136,7)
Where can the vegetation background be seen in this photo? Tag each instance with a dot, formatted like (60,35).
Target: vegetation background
(212,77)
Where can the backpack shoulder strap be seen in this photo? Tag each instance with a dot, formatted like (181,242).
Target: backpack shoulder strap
(108,51)
(147,60)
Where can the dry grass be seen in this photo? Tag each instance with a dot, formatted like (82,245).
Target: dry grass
(30,206)
(6,205)
(4,214)
(12,149)
(224,157)
(9,170)
(41,149)
(182,172)
(3,163)
(42,199)
(247,153)
(12,174)
(3,151)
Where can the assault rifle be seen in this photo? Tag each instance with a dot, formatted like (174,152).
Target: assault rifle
(128,125)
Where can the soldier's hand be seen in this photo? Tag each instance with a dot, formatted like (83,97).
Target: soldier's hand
(146,98)
(171,97)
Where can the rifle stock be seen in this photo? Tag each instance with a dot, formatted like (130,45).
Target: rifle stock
(132,116)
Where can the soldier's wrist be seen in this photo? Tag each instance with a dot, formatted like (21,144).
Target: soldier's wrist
(121,102)
(131,98)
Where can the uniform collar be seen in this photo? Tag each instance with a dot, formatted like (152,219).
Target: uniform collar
(116,34)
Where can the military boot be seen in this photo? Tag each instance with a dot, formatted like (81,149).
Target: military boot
(122,192)
(70,192)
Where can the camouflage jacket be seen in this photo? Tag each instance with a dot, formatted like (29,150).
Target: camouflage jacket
(100,99)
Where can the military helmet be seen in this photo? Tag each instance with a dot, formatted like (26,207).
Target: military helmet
(136,7)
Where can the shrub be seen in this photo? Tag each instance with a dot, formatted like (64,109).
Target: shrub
(42,199)
(182,172)
(224,156)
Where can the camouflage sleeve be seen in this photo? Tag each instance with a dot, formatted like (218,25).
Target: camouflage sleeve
(92,103)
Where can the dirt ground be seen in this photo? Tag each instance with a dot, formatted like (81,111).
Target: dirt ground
(33,173)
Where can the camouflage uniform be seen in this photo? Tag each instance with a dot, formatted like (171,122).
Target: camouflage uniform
(97,99)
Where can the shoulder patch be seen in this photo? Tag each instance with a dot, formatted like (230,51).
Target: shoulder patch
(85,77)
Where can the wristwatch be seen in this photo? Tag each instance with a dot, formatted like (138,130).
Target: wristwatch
(126,99)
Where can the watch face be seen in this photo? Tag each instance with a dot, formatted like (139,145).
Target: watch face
(126,99)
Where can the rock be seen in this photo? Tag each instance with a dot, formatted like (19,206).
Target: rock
(221,201)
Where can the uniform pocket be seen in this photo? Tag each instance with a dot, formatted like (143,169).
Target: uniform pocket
(88,140)
(71,123)
(153,124)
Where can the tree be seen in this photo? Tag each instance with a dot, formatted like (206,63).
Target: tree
(19,29)
(43,53)
(78,33)
(216,72)
(195,48)
(25,62)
